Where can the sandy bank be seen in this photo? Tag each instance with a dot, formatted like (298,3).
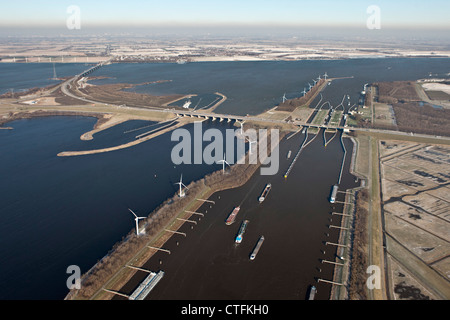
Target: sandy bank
(122,146)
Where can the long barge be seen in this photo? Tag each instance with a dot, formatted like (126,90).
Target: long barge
(265,193)
(241,232)
(312,292)
(232,216)
(146,286)
(334,193)
(256,250)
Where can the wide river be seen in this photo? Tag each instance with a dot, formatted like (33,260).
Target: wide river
(56,212)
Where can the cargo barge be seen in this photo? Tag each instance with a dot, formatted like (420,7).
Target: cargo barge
(241,232)
(146,286)
(256,250)
(265,193)
(312,293)
(334,193)
(232,216)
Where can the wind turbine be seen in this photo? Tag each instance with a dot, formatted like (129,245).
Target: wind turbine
(241,123)
(319,78)
(250,143)
(136,219)
(223,163)
(310,86)
(325,76)
(181,184)
(304,91)
(315,81)
(284,98)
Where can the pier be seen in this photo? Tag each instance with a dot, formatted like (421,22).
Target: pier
(186,220)
(210,201)
(331,139)
(297,155)
(117,293)
(176,232)
(331,262)
(340,214)
(159,249)
(343,161)
(337,227)
(193,212)
(331,282)
(336,244)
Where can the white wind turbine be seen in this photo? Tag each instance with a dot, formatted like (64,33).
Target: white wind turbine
(136,219)
(284,98)
(304,91)
(325,76)
(241,123)
(250,144)
(315,81)
(181,184)
(224,161)
(310,86)
(319,78)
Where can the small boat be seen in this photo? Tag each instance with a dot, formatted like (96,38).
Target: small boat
(187,104)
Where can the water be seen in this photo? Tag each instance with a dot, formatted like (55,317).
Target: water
(22,76)
(294,220)
(56,212)
(253,87)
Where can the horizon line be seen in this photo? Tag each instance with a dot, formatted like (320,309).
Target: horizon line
(173,25)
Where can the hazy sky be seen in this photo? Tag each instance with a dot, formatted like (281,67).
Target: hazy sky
(394,13)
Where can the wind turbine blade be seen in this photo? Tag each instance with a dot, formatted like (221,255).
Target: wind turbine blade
(133,212)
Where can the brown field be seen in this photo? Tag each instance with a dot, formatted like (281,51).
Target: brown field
(115,94)
(415,185)
(438,95)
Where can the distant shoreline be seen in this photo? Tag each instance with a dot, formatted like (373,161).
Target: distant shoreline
(240,58)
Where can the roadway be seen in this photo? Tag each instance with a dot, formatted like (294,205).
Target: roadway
(211,115)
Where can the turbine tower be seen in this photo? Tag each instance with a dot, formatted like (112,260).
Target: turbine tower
(284,98)
(250,144)
(181,184)
(136,219)
(241,123)
(325,76)
(54,72)
(224,161)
